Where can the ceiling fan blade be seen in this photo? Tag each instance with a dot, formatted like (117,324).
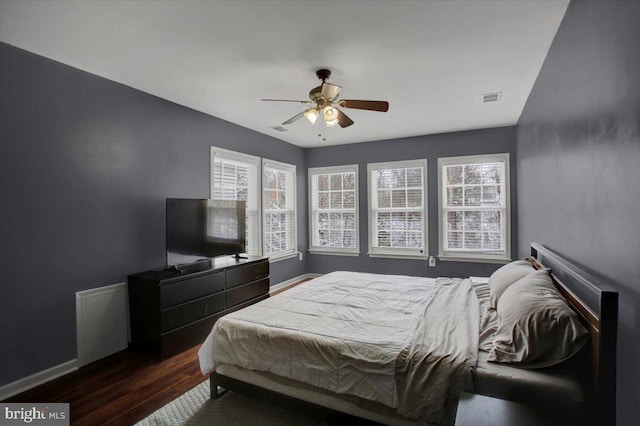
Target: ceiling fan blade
(382,106)
(286,100)
(330,91)
(294,118)
(343,120)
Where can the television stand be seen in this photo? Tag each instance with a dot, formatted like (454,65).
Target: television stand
(172,312)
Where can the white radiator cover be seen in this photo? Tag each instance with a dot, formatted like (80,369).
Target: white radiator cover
(102,318)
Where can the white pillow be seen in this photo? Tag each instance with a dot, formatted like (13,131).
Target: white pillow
(506,275)
(536,328)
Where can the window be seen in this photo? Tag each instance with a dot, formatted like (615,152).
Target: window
(279,202)
(235,176)
(474,207)
(398,209)
(333,217)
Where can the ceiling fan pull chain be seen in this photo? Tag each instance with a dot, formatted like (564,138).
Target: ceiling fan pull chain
(321,134)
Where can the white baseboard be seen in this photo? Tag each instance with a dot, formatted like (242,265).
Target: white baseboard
(294,280)
(37,379)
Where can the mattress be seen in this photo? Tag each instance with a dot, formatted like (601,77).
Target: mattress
(343,403)
(544,385)
(408,343)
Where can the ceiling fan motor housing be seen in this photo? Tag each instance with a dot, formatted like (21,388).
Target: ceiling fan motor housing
(316,96)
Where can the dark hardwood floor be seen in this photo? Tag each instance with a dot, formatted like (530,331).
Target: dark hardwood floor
(121,389)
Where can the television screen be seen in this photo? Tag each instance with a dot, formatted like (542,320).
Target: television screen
(201,228)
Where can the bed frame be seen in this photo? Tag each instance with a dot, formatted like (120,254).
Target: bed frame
(596,305)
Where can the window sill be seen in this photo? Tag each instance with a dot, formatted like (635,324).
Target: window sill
(283,257)
(335,253)
(473,259)
(399,256)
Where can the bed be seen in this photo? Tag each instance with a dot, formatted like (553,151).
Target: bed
(399,350)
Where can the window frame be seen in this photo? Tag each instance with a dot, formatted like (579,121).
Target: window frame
(397,252)
(337,251)
(287,168)
(252,160)
(503,256)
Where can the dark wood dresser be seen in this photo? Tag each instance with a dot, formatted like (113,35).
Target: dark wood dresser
(172,311)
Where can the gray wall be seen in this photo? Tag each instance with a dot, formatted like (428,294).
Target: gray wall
(579,163)
(85,166)
(488,141)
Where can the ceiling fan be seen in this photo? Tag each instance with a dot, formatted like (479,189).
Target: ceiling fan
(325,98)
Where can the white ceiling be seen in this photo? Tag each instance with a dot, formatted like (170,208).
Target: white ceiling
(432,60)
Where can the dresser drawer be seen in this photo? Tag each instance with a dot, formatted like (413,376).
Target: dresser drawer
(247,273)
(245,292)
(182,291)
(186,337)
(185,313)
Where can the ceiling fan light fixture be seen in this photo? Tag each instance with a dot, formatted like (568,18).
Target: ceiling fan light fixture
(312,115)
(330,114)
(331,123)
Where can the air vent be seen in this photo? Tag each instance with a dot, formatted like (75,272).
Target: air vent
(491,97)
(279,128)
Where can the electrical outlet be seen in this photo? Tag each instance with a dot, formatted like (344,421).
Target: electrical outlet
(300,256)
(432,261)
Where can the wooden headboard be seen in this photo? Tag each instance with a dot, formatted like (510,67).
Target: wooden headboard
(597,306)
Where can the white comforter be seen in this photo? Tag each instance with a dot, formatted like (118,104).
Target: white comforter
(406,342)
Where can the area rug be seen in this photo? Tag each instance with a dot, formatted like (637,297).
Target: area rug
(196,408)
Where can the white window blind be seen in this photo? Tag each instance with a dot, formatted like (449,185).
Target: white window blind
(474,207)
(334,209)
(279,203)
(235,176)
(398,209)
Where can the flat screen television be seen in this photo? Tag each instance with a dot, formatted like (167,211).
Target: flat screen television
(202,228)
